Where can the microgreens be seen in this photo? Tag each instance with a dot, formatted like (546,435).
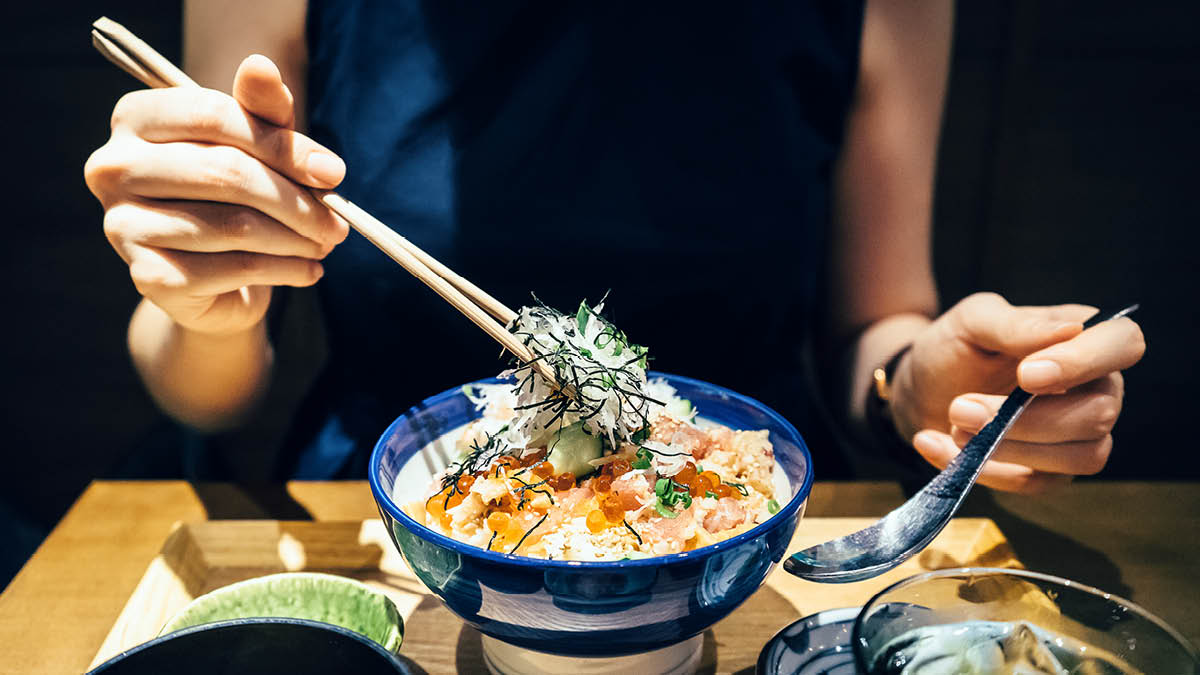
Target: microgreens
(643,459)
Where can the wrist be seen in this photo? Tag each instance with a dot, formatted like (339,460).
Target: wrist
(902,412)
(881,404)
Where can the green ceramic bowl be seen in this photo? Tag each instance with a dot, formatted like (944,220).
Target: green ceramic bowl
(299,595)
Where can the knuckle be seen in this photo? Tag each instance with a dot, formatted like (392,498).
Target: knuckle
(127,108)
(1095,461)
(105,169)
(1105,411)
(208,112)
(118,221)
(238,224)
(151,279)
(1116,385)
(276,145)
(248,264)
(226,171)
(982,300)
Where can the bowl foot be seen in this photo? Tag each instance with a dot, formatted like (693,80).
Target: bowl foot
(505,659)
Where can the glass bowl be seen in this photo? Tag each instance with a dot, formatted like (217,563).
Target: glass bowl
(965,614)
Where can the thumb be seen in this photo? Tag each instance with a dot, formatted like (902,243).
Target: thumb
(989,322)
(258,87)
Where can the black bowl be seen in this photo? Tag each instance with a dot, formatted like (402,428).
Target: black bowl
(264,646)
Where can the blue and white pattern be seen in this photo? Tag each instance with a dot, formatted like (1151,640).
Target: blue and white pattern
(585,608)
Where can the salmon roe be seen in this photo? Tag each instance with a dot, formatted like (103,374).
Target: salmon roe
(596,521)
(533,458)
(686,474)
(602,483)
(543,470)
(455,500)
(563,481)
(612,510)
(464,483)
(507,464)
(506,504)
(700,486)
(498,521)
(620,466)
(712,477)
(722,491)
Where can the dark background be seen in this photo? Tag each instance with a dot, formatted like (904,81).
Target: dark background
(1066,173)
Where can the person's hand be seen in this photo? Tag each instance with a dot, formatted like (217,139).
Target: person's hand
(962,366)
(203,198)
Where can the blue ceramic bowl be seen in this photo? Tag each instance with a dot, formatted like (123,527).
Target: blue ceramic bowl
(584,608)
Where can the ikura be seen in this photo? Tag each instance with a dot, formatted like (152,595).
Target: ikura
(464,483)
(618,467)
(508,464)
(498,521)
(596,521)
(563,481)
(612,510)
(533,458)
(700,486)
(602,483)
(686,474)
(543,470)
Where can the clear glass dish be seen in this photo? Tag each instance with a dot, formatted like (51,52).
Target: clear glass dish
(999,613)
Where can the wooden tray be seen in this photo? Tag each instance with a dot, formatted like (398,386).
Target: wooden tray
(199,557)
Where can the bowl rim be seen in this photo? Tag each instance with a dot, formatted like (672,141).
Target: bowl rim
(784,514)
(391,657)
(858,642)
(257,584)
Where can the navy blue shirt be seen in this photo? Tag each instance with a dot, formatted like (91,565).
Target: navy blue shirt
(675,155)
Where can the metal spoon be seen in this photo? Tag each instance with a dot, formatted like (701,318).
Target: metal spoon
(906,531)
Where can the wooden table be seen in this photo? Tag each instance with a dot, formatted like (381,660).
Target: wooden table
(1135,539)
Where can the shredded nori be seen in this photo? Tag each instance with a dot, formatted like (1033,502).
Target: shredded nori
(577,369)
(528,532)
(630,528)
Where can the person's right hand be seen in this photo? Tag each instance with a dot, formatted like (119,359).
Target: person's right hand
(204,199)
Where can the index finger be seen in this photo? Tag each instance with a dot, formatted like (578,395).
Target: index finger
(1103,348)
(210,116)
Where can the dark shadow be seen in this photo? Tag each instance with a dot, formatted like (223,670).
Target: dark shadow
(743,634)
(413,667)
(468,654)
(229,501)
(1047,551)
(708,654)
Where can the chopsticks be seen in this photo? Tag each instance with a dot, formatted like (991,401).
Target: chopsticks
(139,59)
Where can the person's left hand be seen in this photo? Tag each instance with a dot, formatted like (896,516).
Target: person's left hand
(964,364)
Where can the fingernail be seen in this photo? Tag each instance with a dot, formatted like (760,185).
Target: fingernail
(326,168)
(1056,327)
(1039,374)
(925,442)
(968,414)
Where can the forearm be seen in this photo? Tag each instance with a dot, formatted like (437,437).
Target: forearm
(883,291)
(206,381)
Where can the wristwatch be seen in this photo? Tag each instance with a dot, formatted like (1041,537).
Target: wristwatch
(878,411)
